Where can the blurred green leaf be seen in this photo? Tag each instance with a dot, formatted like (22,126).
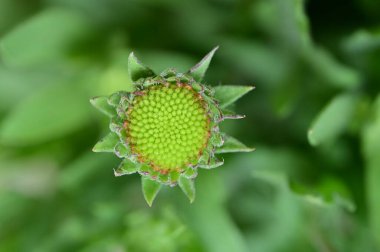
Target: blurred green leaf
(116,77)
(137,70)
(12,207)
(329,191)
(199,70)
(361,41)
(371,147)
(257,60)
(231,144)
(12,12)
(44,38)
(208,208)
(331,71)
(15,85)
(285,20)
(33,177)
(187,186)
(79,171)
(165,230)
(150,189)
(48,114)
(301,20)
(227,95)
(107,144)
(333,120)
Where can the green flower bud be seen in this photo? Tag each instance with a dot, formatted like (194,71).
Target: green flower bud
(168,127)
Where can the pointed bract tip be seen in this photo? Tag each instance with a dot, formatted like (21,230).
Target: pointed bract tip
(214,49)
(93,100)
(150,189)
(137,69)
(188,188)
(101,104)
(133,56)
(233,117)
(116,173)
(198,71)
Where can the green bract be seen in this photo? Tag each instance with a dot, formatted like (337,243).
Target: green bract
(169,126)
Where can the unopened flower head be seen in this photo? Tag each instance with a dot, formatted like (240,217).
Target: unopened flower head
(169,126)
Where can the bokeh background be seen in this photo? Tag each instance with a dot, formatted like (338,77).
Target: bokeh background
(313,183)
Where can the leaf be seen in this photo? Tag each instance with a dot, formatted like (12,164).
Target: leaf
(50,113)
(371,147)
(361,42)
(256,60)
(332,71)
(227,95)
(187,186)
(107,144)
(284,20)
(137,70)
(209,217)
(45,37)
(198,71)
(150,189)
(299,19)
(328,191)
(41,173)
(17,84)
(79,172)
(126,167)
(333,120)
(101,103)
(231,144)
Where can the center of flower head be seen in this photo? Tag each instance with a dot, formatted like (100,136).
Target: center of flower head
(168,127)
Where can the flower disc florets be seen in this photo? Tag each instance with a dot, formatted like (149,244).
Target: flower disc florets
(168,127)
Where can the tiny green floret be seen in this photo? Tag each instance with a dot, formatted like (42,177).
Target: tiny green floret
(169,126)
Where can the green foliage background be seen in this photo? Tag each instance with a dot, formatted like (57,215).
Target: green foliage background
(314,118)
